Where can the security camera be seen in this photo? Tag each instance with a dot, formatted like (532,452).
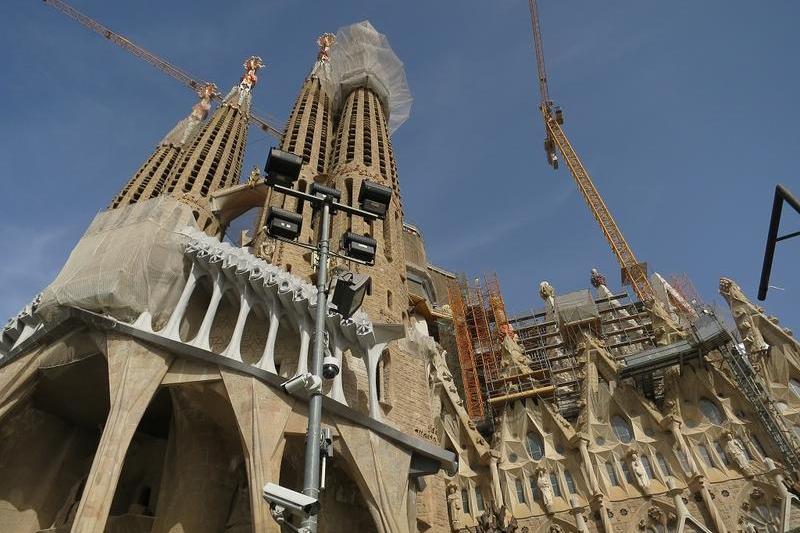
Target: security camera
(302,384)
(281,499)
(330,367)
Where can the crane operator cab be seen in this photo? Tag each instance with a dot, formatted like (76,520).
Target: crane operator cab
(559,115)
(550,152)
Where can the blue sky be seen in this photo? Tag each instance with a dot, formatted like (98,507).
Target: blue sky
(684,112)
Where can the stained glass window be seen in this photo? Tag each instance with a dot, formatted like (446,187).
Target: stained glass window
(621,428)
(535,446)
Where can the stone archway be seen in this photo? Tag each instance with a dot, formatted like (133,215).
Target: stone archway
(204,487)
(48,442)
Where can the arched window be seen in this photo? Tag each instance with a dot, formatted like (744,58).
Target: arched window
(705,455)
(555,484)
(479,500)
(612,474)
(795,386)
(534,446)
(648,468)
(520,490)
(662,463)
(711,411)
(621,428)
(570,481)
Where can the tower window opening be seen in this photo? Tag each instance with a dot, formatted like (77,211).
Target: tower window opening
(663,465)
(382,377)
(520,489)
(570,482)
(555,484)
(465,501)
(387,239)
(612,474)
(721,452)
(711,411)
(626,469)
(622,429)
(389,299)
(479,500)
(705,455)
(648,467)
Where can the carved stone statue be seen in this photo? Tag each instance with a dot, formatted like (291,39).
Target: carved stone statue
(498,520)
(547,293)
(735,450)
(454,506)
(545,488)
(512,358)
(639,472)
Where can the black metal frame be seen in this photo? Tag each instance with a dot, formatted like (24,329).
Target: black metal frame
(317,202)
(782,194)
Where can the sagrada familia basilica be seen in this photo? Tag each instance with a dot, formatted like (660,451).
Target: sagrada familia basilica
(141,390)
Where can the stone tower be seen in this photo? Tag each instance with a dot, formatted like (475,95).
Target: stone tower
(142,390)
(148,182)
(214,159)
(308,134)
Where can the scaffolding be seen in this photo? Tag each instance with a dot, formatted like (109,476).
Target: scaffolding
(466,355)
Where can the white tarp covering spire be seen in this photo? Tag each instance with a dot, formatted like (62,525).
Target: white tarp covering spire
(362,57)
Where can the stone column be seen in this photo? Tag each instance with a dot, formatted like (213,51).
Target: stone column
(261,415)
(675,429)
(583,446)
(494,458)
(699,483)
(775,473)
(134,373)
(577,512)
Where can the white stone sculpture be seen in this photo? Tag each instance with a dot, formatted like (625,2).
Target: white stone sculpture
(638,470)
(545,488)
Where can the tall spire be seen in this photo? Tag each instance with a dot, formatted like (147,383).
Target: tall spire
(309,133)
(148,182)
(214,159)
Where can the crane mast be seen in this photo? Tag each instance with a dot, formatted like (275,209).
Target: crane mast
(633,271)
(166,67)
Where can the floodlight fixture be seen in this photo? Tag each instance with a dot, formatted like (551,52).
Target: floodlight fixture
(322,191)
(283,223)
(349,290)
(374,198)
(359,247)
(282,168)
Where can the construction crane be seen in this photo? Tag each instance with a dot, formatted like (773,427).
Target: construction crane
(633,272)
(164,66)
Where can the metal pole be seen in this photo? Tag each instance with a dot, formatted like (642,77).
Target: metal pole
(312,459)
(772,236)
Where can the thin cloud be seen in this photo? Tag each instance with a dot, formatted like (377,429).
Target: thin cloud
(32,261)
(476,237)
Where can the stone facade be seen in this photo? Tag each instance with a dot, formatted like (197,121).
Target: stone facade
(161,411)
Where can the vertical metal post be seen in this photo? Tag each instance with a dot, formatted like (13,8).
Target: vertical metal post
(312,460)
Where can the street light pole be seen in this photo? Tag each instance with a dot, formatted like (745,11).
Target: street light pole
(312,459)
(283,169)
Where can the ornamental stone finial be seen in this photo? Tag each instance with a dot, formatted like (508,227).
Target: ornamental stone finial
(249,78)
(325,41)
